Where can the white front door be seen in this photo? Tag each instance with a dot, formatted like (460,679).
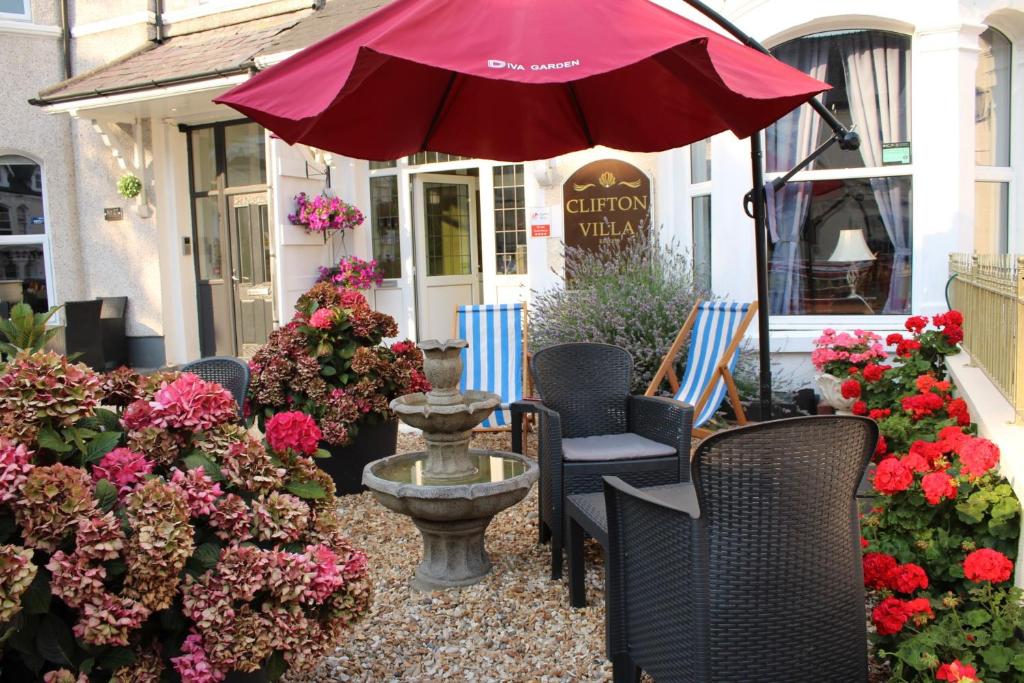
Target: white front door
(447,269)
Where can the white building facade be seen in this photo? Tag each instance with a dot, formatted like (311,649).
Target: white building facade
(210,261)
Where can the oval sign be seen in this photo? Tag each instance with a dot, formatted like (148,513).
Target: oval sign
(606,201)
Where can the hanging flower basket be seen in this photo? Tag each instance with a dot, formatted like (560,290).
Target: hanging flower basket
(352,272)
(129,186)
(324,215)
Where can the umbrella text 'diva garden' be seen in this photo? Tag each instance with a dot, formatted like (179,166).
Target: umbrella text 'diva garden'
(515,80)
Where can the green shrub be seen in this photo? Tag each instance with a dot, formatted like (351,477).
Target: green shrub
(637,298)
(25,330)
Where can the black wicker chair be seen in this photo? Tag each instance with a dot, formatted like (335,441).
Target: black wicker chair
(590,426)
(83,334)
(227,371)
(112,322)
(752,572)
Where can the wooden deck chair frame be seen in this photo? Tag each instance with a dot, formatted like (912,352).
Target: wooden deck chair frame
(527,380)
(667,371)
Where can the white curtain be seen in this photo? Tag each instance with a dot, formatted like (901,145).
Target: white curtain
(789,141)
(877,88)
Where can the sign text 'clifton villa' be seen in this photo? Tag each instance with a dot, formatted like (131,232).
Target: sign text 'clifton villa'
(604,201)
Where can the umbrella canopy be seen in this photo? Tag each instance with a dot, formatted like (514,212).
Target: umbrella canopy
(515,80)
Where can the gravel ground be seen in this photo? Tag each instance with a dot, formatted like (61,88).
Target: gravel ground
(516,625)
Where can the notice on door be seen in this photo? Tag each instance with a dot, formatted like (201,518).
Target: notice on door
(540,222)
(606,201)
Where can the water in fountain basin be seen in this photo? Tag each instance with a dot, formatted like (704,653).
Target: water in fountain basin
(490,467)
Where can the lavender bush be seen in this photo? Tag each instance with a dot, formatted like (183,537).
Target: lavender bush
(636,297)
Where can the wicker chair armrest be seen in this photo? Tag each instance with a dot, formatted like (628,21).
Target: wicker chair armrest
(666,421)
(522,407)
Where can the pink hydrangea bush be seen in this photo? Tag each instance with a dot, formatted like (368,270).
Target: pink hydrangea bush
(163,542)
(330,362)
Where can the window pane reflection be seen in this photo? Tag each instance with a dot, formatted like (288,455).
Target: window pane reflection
(842,247)
(991,218)
(992,100)
(387,248)
(208,238)
(702,241)
(22,277)
(246,155)
(509,220)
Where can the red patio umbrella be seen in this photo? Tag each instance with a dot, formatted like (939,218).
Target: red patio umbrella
(515,80)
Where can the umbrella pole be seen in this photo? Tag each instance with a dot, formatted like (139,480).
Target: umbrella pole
(761,246)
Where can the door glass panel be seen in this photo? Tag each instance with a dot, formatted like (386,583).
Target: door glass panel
(204,160)
(208,247)
(448,226)
(386,246)
(246,155)
(702,241)
(23,275)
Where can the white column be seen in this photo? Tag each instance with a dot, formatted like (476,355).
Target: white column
(733,259)
(174,223)
(942,131)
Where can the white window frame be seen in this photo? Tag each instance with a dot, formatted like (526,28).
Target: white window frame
(24,16)
(41,239)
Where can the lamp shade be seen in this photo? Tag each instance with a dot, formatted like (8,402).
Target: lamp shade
(851,246)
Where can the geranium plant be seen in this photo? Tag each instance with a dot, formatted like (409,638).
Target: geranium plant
(835,353)
(330,362)
(352,272)
(941,536)
(165,541)
(324,214)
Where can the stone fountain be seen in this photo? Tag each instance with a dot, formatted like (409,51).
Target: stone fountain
(450,490)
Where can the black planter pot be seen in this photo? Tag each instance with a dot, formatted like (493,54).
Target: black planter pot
(346,463)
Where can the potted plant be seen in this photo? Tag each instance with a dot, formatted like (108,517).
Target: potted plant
(129,186)
(352,272)
(330,363)
(835,355)
(324,214)
(165,541)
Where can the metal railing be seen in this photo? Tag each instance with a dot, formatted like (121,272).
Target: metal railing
(989,290)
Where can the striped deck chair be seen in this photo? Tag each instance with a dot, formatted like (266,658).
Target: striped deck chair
(718,328)
(495,360)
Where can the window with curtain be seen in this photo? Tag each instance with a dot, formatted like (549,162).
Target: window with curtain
(23,252)
(841,244)
(700,212)
(993,173)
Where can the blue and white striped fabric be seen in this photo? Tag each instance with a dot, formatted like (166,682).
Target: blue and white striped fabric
(713,329)
(494,359)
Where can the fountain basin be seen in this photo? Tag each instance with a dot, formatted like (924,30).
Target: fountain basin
(451,514)
(469,410)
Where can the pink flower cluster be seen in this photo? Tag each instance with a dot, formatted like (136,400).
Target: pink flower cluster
(14,469)
(324,214)
(293,430)
(188,403)
(353,272)
(835,352)
(122,468)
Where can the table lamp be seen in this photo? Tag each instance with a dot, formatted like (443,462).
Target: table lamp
(852,248)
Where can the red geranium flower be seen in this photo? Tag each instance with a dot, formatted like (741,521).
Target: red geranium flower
(877,568)
(986,564)
(916,323)
(859,408)
(874,373)
(877,414)
(881,448)
(916,462)
(892,476)
(921,405)
(293,430)
(954,334)
(928,450)
(908,578)
(907,346)
(938,485)
(920,609)
(957,672)
(957,409)
(977,456)
(894,338)
(851,389)
(889,616)
(948,318)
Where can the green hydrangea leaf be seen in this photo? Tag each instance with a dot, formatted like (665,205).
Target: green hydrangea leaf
(322,453)
(197,459)
(51,440)
(54,641)
(306,489)
(117,657)
(106,494)
(275,666)
(37,597)
(100,446)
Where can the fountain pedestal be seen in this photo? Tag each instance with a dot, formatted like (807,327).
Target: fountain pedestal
(450,491)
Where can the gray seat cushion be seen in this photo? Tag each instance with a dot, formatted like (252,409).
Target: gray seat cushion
(626,446)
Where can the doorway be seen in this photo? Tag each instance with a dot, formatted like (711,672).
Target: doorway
(445,228)
(231,237)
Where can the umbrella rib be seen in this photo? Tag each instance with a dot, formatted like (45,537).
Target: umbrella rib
(579,113)
(437,112)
